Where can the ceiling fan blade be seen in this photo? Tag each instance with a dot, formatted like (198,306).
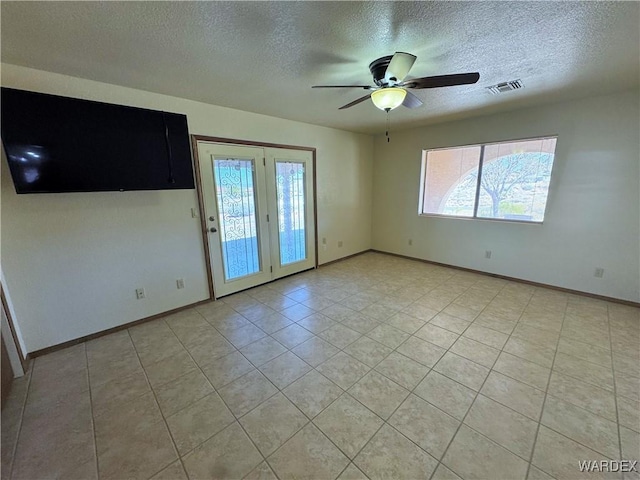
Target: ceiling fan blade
(411,101)
(366,87)
(399,66)
(355,102)
(442,80)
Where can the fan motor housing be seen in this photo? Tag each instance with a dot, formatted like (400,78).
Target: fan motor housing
(378,68)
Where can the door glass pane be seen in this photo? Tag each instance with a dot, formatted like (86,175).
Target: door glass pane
(235,192)
(290,181)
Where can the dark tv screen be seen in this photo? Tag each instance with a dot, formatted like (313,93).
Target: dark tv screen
(59,144)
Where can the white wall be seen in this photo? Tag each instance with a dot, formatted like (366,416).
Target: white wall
(592,217)
(72,261)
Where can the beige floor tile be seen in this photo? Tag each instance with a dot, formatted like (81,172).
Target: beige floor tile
(344,370)
(391,455)
(487,336)
(115,393)
(630,442)
(436,335)
(557,455)
(244,336)
(627,386)
(388,335)
(537,474)
(499,324)
(170,368)
(422,352)
(54,443)
(429,427)
(627,364)
(272,423)
(196,423)
(103,371)
(133,441)
(348,424)
(340,336)
(475,351)
(379,394)
(317,303)
(312,393)
(519,396)
(629,413)
(405,322)
(402,370)
(228,323)
(292,335)
(584,395)
(585,352)
(339,313)
(533,352)
(285,369)
(273,322)
(581,333)
(261,472)
(175,471)
(183,391)
(352,473)
(315,351)
(297,312)
(256,311)
(378,312)
(360,323)
(528,372)
(451,397)
(463,313)
(247,392)
(544,338)
(368,351)
(308,455)
(154,351)
(226,369)
(582,426)
(420,311)
(207,352)
(472,455)
(450,322)
(462,370)
(228,454)
(513,431)
(443,473)
(594,374)
(263,350)
(316,323)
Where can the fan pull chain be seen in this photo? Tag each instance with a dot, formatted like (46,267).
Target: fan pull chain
(387,129)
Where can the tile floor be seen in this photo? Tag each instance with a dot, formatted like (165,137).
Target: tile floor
(375,367)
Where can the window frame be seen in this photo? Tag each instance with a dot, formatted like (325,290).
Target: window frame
(423,181)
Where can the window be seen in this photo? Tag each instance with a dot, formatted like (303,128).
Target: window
(505,181)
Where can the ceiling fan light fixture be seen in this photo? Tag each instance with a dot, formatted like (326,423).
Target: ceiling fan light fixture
(388,98)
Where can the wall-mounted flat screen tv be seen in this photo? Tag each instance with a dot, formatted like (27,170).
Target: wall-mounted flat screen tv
(59,144)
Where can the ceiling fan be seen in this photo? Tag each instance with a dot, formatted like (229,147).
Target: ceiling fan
(390,90)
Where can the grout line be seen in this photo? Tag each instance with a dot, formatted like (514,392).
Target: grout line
(155,398)
(615,393)
(546,393)
(22,411)
(93,423)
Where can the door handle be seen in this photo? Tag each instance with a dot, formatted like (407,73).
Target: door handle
(213,229)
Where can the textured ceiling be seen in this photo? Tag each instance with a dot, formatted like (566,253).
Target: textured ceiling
(264,56)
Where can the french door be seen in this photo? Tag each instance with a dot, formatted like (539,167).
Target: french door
(259,213)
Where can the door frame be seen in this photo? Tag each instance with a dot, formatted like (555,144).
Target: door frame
(236,142)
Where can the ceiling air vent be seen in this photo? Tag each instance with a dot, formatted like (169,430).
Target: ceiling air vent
(505,87)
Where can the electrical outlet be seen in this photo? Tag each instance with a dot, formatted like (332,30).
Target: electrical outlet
(194,213)
(487,254)
(180,283)
(140,293)
(339,243)
(599,273)
(410,242)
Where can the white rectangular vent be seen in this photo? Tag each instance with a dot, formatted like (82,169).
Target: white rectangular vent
(505,87)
